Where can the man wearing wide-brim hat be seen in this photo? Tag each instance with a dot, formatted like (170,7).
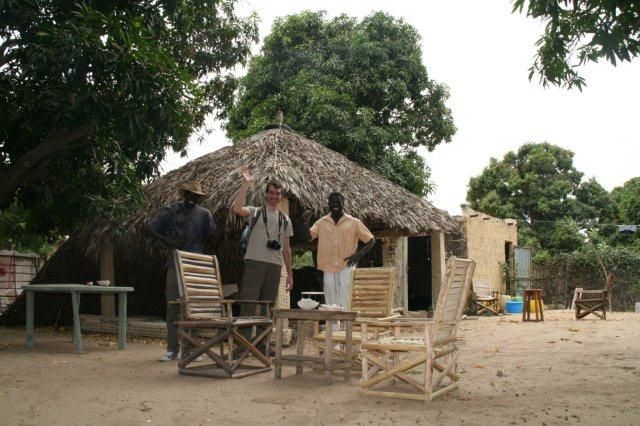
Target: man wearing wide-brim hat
(184,226)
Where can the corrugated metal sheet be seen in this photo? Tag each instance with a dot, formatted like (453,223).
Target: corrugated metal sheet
(523,262)
(522,259)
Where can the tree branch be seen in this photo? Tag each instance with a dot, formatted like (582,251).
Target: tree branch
(55,141)
(6,57)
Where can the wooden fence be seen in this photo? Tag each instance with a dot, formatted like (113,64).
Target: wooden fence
(558,280)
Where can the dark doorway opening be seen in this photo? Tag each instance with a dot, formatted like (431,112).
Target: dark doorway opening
(508,262)
(373,259)
(419,273)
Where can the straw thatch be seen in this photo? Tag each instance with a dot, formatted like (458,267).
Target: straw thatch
(309,172)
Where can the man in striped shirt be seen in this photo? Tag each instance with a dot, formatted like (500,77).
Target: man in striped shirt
(338,234)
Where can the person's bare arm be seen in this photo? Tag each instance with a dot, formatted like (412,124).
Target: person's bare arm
(241,197)
(286,255)
(355,258)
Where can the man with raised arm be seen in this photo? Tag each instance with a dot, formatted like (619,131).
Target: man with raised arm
(268,246)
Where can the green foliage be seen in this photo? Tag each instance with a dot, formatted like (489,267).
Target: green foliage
(627,199)
(582,30)
(16,234)
(509,277)
(95,92)
(302,260)
(618,260)
(540,187)
(360,87)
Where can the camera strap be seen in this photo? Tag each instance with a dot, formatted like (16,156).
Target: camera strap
(281,220)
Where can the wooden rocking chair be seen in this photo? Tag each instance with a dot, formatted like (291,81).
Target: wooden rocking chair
(208,324)
(484,299)
(417,367)
(372,297)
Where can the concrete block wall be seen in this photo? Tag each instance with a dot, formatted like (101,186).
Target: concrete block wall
(486,237)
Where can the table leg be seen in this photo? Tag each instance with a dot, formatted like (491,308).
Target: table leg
(277,360)
(30,319)
(541,310)
(122,321)
(300,346)
(328,348)
(347,350)
(77,338)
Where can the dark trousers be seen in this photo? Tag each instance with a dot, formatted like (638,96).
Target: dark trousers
(260,281)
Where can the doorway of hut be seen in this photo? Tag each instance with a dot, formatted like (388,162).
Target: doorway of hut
(419,273)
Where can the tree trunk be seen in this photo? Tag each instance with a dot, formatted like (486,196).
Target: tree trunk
(54,142)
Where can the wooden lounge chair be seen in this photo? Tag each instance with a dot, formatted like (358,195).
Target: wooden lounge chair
(484,299)
(591,302)
(208,324)
(371,297)
(417,367)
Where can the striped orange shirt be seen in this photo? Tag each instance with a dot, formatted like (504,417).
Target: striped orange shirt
(335,242)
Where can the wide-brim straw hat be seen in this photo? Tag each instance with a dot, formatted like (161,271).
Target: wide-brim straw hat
(193,187)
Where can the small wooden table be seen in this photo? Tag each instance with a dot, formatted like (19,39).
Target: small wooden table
(76,290)
(325,362)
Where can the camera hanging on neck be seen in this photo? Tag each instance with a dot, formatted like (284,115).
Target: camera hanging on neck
(273,244)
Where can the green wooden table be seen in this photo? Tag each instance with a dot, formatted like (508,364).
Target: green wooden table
(76,290)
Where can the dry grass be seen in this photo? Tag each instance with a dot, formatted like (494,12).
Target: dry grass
(309,172)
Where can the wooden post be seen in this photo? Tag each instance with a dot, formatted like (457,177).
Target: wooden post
(107,272)
(438,265)
(401,294)
(394,255)
(283,299)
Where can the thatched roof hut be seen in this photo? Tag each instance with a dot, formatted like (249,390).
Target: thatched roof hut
(308,171)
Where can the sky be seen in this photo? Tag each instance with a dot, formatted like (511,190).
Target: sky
(483,52)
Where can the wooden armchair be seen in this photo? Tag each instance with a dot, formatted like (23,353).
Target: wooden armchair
(208,324)
(591,302)
(416,366)
(484,298)
(371,297)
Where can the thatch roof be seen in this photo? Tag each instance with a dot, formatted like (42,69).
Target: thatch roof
(309,172)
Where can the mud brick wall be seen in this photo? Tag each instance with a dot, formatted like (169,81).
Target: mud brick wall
(486,237)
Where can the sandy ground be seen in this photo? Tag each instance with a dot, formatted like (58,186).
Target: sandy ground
(559,371)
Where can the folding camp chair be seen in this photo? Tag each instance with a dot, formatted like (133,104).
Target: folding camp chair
(208,324)
(371,297)
(416,367)
(484,298)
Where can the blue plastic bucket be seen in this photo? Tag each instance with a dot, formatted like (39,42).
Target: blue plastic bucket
(514,306)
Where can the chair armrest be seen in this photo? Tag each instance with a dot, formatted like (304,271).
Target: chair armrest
(225,301)
(398,316)
(267,302)
(397,322)
(198,302)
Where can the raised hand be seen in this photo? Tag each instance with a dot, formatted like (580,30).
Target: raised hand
(246,176)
